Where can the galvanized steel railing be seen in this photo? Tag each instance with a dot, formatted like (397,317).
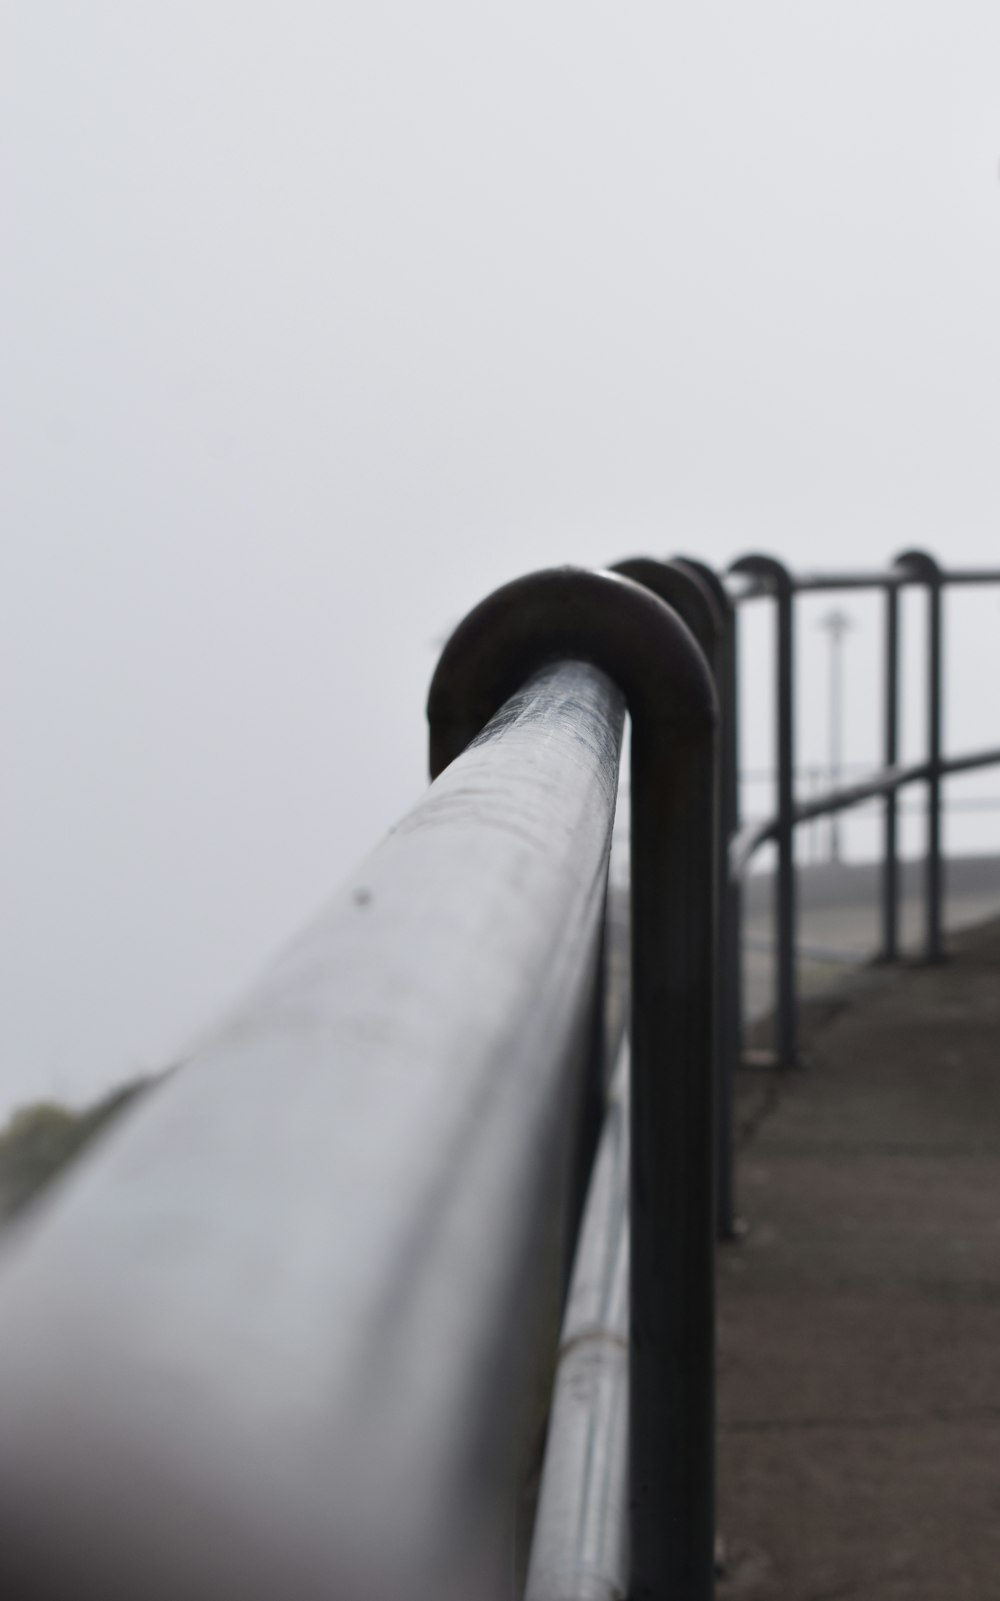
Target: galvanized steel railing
(274,1339)
(769,577)
(710,604)
(279,1336)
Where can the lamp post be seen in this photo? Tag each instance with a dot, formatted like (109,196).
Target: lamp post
(835,624)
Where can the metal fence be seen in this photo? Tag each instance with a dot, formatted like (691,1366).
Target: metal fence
(757,577)
(291,1331)
(279,1336)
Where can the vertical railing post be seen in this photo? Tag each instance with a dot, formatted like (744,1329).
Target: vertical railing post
(729,898)
(639,642)
(934,949)
(890,756)
(925,570)
(684,586)
(732,1015)
(779,581)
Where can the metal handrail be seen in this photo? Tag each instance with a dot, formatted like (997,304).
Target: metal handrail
(276,1335)
(883,781)
(767,576)
(878,578)
(671,698)
(701,602)
(262,1343)
(580,1541)
(764,577)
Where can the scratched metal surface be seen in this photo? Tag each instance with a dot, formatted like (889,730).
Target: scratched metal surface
(579,1549)
(262,1344)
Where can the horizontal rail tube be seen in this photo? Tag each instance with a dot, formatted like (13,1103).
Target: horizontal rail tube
(739,589)
(580,1545)
(671,700)
(972,575)
(815,583)
(260,1344)
(885,781)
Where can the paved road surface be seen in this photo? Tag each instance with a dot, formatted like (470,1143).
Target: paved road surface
(839,920)
(859,1322)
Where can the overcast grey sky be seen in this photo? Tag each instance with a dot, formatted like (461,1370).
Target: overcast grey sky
(319,321)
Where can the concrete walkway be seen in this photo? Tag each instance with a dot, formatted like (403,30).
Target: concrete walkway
(859,1323)
(839,920)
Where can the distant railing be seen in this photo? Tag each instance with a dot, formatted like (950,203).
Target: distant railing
(758,576)
(710,603)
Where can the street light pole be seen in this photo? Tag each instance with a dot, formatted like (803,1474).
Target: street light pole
(835,624)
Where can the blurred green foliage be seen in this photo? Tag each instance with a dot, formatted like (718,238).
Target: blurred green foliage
(39,1141)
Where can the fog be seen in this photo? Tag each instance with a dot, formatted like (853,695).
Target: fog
(320,322)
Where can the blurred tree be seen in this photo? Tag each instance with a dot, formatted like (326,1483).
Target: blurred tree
(41,1139)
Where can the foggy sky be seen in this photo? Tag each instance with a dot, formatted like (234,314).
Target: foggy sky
(321,321)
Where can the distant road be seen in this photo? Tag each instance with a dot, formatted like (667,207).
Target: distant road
(839,918)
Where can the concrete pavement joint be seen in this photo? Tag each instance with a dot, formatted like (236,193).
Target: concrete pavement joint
(957,1418)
